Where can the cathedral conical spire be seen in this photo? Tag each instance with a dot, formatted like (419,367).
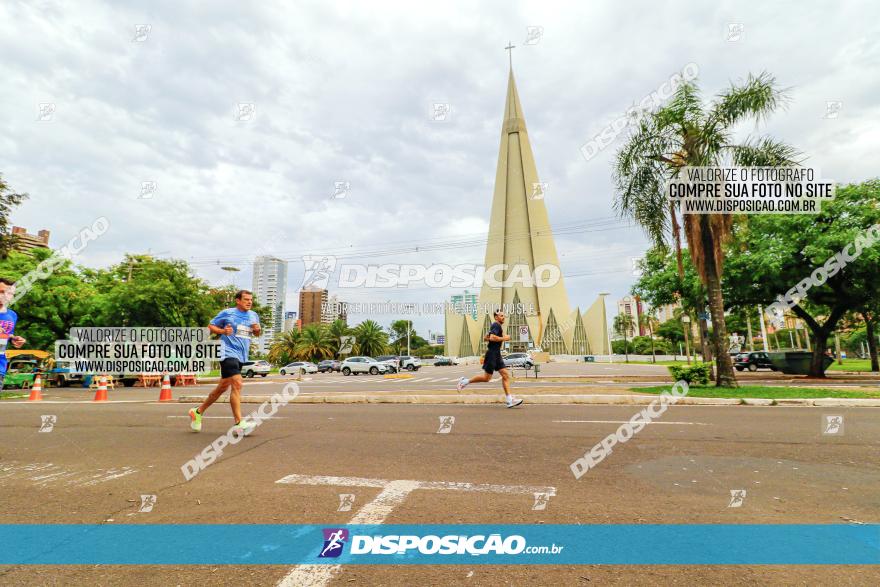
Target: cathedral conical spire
(519,228)
(521,240)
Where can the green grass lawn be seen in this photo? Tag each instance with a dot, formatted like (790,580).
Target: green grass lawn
(851,365)
(13,395)
(848,364)
(764,391)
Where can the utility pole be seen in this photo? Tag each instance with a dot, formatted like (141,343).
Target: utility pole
(407,337)
(749,327)
(837,347)
(763,329)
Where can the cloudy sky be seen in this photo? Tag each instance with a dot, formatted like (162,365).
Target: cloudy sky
(344,92)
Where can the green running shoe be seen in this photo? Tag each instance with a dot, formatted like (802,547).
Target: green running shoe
(245,426)
(195,420)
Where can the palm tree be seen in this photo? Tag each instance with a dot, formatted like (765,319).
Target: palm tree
(623,323)
(648,321)
(686,132)
(370,339)
(283,350)
(314,343)
(336,330)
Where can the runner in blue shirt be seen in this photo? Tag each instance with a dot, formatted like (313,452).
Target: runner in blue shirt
(8,318)
(235,327)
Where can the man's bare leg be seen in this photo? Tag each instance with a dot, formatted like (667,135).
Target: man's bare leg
(215,394)
(505,381)
(235,397)
(484,378)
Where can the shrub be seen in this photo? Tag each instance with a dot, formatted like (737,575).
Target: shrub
(697,373)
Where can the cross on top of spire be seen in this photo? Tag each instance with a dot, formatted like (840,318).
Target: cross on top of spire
(510,47)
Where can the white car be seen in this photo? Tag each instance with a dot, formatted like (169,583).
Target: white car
(298,367)
(355,365)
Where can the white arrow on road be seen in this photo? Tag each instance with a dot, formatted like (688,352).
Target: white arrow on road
(393,493)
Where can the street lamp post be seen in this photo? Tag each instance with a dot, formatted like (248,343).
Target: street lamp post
(686,322)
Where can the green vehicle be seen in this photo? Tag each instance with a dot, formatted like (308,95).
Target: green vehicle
(20,373)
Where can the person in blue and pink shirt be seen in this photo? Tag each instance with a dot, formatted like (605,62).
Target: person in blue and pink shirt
(8,318)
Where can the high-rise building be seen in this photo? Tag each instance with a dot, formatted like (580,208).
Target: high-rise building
(312,301)
(632,307)
(270,289)
(289,321)
(25,242)
(520,241)
(465,303)
(333,310)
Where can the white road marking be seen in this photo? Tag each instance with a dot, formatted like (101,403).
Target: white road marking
(223,417)
(49,473)
(626,421)
(394,493)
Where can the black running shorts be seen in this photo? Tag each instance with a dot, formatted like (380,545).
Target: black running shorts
(229,368)
(493,362)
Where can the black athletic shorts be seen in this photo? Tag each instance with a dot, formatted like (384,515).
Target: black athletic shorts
(493,362)
(230,367)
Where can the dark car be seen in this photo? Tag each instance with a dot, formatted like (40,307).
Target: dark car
(443,361)
(328,366)
(753,361)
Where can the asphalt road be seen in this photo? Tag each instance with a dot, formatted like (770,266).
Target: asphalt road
(99,459)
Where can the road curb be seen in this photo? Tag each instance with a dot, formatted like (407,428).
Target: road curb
(361,398)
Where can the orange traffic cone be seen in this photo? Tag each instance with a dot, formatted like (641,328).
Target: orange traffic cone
(37,390)
(165,394)
(101,394)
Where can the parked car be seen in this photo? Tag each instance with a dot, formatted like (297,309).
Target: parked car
(252,368)
(519,360)
(329,365)
(60,375)
(753,361)
(410,363)
(355,365)
(299,367)
(443,361)
(393,362)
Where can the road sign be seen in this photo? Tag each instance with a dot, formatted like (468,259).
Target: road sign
(524,334)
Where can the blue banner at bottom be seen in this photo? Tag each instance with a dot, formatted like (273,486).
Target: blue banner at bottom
(267,544)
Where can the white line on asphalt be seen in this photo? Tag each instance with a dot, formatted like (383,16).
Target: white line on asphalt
(394,492)
(626,421)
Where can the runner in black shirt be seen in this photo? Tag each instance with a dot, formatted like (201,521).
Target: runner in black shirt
(493,361)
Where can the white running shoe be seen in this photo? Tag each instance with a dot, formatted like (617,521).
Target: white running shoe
(512,402)
(462,383)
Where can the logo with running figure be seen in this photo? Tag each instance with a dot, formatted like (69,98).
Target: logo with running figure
(317,270)
(334,541)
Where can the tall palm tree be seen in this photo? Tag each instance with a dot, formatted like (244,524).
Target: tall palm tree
(648,321)
(623,323)
(314,343)
(687,132)
(283,350)
(336,330)
(370,339)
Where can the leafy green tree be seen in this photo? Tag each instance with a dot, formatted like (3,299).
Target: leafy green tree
(776,252)
(315,343)
(686,132)
(336,330)
(622,324)
(370,339)
(143,291)
(8,200)
(53,304)
(672,331)
(284,349)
